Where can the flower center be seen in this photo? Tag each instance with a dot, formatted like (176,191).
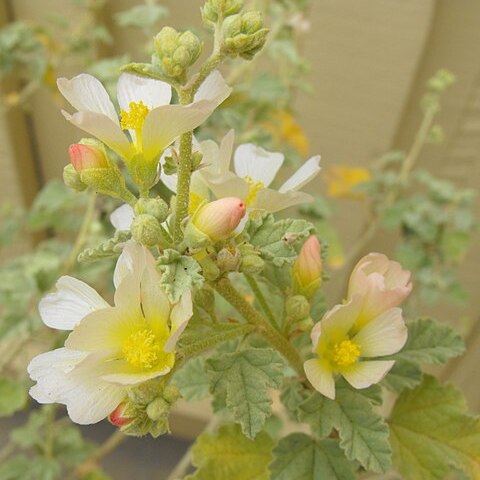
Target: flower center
(345,353)
(253,189)
(142,349)
(135,117)
(195,201)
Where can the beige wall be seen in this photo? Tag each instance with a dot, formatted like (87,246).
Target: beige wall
(370,63)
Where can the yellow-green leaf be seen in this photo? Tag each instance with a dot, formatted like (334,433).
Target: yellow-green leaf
(432,432)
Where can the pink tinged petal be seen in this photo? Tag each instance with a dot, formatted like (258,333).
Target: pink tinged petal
(180,316)
(132,88)
(273,201)
(258,164)
(337,322)
(72,301)
(320,375)
(385,335)
(122,217)
(364,374)
(305,174)
(103,128)
(72,379)
(85,93)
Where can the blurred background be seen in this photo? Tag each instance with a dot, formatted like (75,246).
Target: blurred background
(369,63)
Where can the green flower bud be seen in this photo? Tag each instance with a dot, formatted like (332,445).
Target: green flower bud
(210,269)
(146,230)
(213,10)
(297,309)
(72,178)
(244,34)
(175,51)
(170,166)
(157,207)
(158,409)
(197,158)
(228,260)
(251,264)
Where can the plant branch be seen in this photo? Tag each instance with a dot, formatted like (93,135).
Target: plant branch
(261,299)
(227,290)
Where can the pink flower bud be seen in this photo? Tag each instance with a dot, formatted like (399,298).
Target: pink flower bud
(84,157)
(220,218)
(307,269)
(381,282)
(117,417)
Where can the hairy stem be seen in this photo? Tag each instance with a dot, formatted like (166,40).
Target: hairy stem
(261,299)
(228,291)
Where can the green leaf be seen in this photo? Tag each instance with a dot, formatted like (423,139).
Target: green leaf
(192,380)
(22,467)
(179,274)
(230,455)
(107,249)
(300,457)
(13,397)
(431,342)
(403,375)
(242,379)
(292,396)
(432,432)
(363,433)
(277,240)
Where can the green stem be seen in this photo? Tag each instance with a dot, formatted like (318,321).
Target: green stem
(82,234)
(261,299)
(201,345)
(227,290)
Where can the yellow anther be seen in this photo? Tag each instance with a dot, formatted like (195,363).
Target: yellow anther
(195,201)
(135,117)
(345,353)
(253,189)
(142,349)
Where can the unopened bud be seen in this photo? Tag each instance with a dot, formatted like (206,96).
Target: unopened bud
(228,260)
(252,264)
(176,51)
(96,170)
(146,230)
(156,207)
(244,34)
(214,221)
(213,10)
(197,158)
(118,418)
(158,409)
(297,314)
(72,178)
(85,157)
(307,269)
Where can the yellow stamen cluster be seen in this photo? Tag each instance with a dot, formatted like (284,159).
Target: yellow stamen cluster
(195,201)
(142,349)
(254,188)
(135,117)
(345,353)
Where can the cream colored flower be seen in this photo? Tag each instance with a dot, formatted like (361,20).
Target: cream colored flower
(254,171)
(110,349)
(344,348)
(382,284)
(152,123)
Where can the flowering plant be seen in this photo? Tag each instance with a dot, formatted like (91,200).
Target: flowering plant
(215,296)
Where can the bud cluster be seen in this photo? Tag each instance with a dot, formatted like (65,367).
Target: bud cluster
(215,10)
(146,226)
(176,51)
(244,34)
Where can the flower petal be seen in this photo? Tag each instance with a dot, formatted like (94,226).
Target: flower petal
(133,378)
(273,201)
(385,335)
(338,321)
(217,158)
(364,374)
(132,88)
(103,128)
(71,378)
(303,175)
(86,93)
(72,301)
(214,88)
(320,375)
(132,257)
(227,185)
(122,217)
(181,314)
(258,164)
